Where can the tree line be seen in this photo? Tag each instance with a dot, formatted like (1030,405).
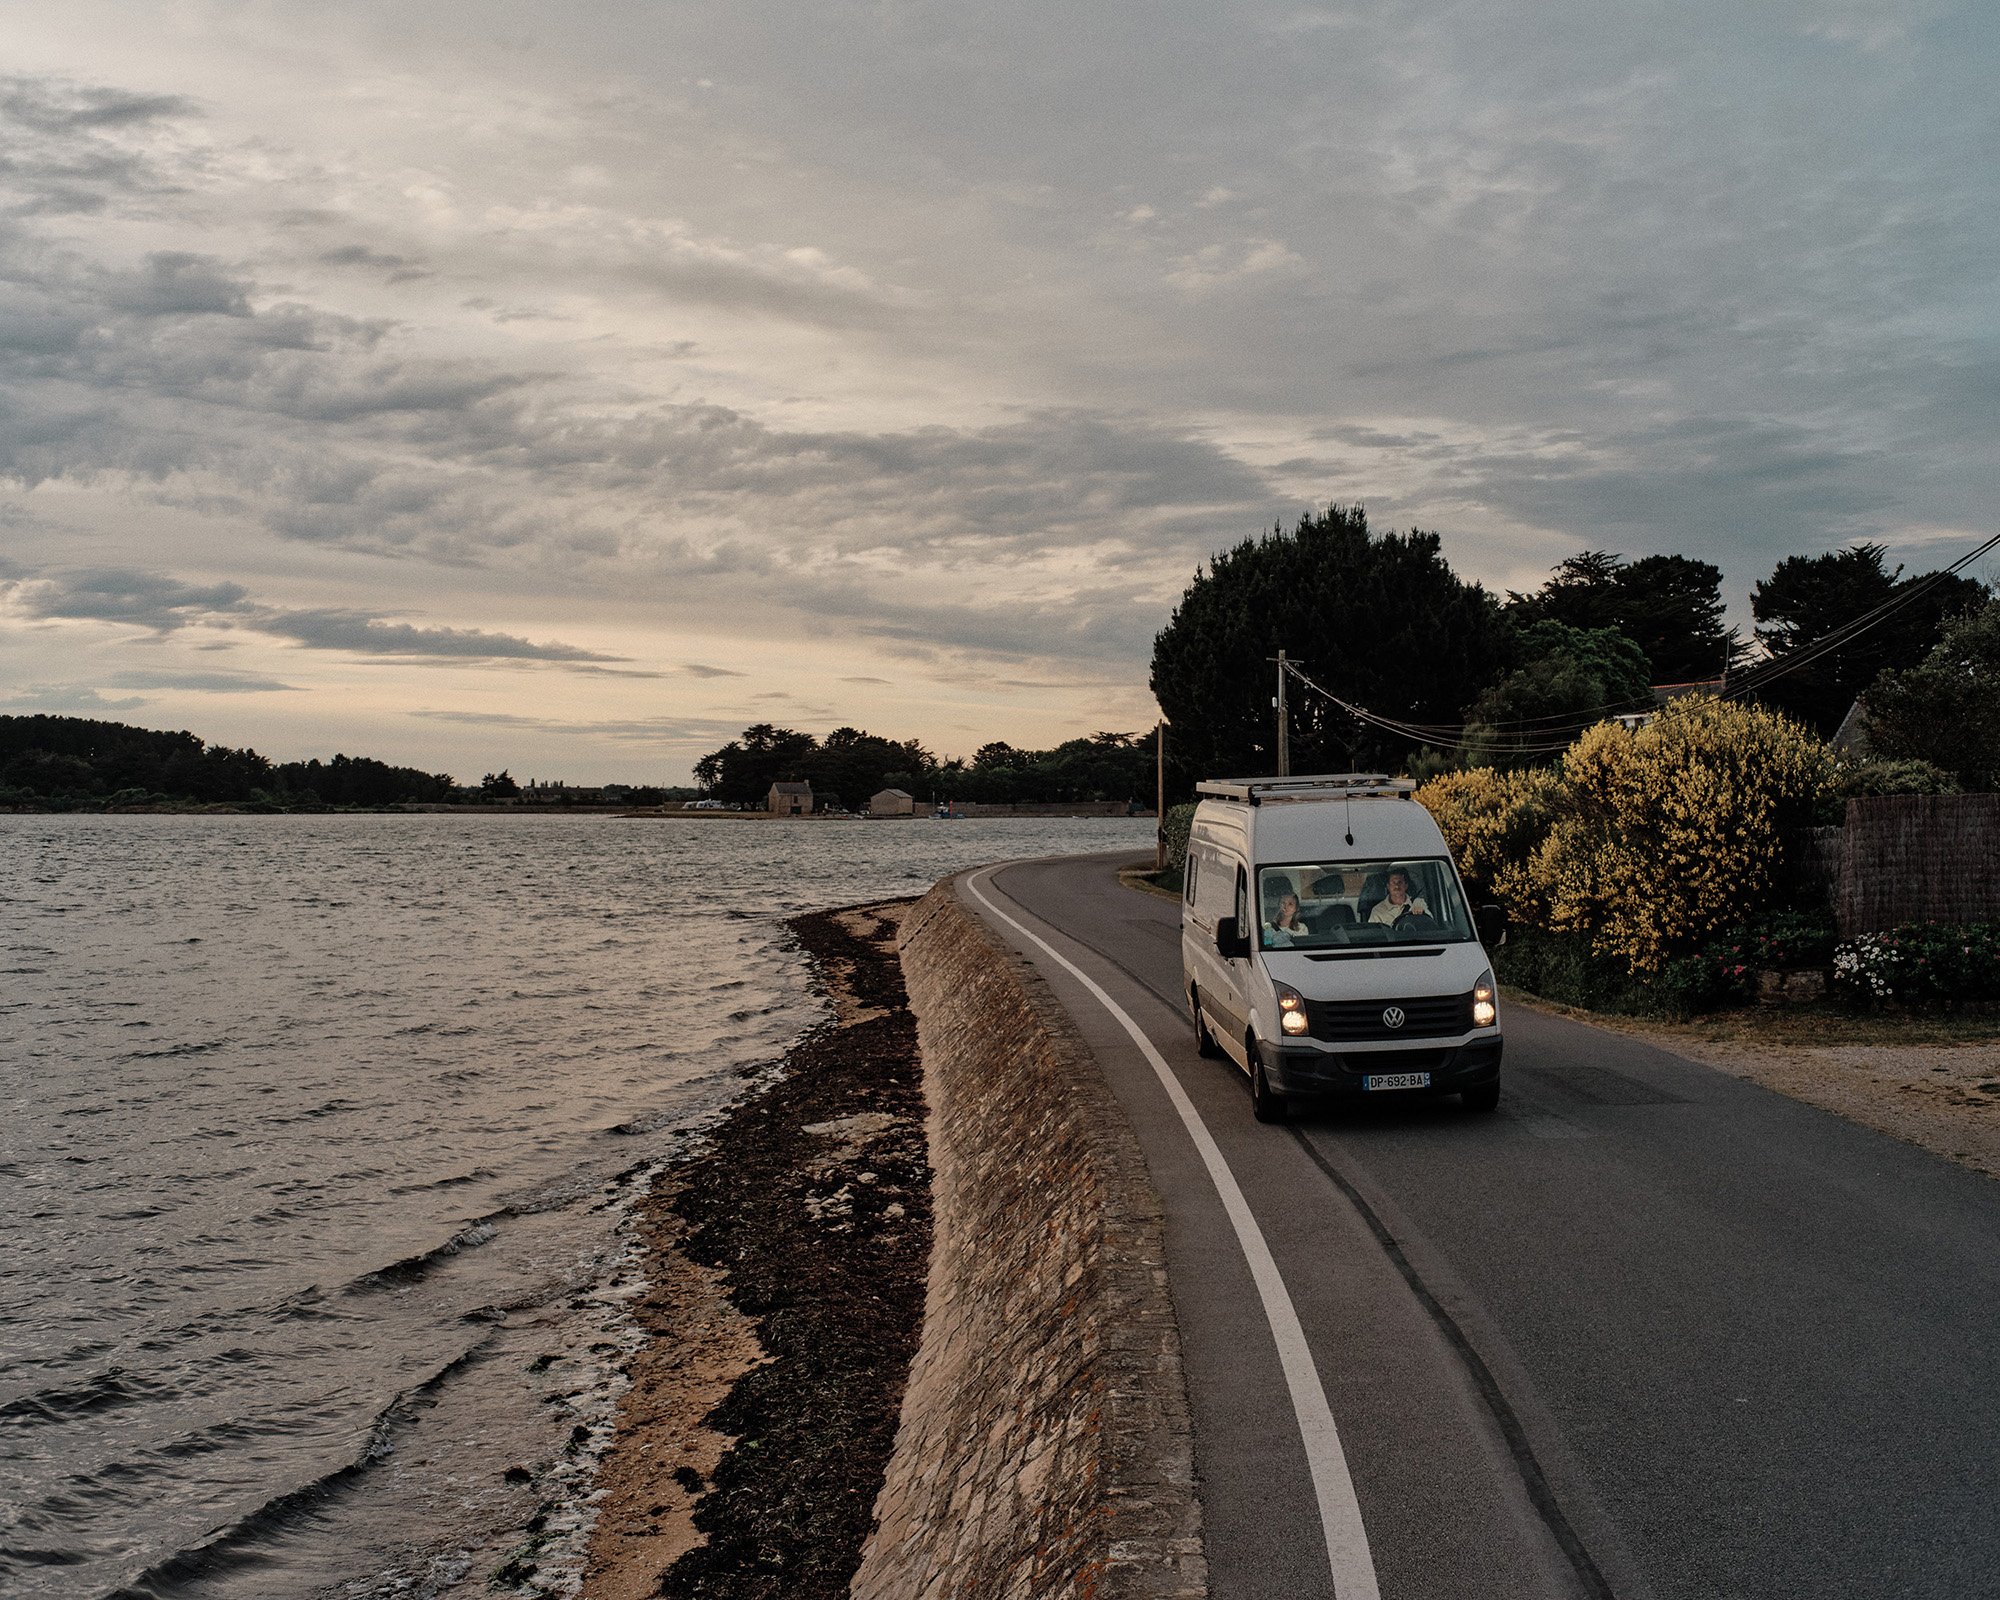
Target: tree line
(79,761)
(1381,621)
(849,766)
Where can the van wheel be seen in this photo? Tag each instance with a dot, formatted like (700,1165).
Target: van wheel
(1266,1103)
(1204,1041)
(1485,1098)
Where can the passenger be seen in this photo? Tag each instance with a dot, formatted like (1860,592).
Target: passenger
(1283,927)
(1398,904)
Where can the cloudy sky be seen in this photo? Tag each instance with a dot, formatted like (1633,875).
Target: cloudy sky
(566,387)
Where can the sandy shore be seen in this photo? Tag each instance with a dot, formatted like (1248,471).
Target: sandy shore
(785,1264)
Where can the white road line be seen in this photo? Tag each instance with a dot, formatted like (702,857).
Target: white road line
(1347,1552)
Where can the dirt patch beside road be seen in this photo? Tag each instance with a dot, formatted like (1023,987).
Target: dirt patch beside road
(1931,1083)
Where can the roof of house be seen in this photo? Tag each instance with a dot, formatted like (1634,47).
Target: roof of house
(791,788)
(901,794)
(1851,737)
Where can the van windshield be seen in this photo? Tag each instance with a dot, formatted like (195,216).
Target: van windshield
(1338,904)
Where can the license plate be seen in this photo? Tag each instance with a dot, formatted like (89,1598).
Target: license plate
(1397,1080)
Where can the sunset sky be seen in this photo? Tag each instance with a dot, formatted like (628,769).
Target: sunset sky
(565,387)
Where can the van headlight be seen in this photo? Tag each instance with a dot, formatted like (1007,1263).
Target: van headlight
(1291,1010)
(1485,1007)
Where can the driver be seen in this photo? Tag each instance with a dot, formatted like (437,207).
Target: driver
(1397,904)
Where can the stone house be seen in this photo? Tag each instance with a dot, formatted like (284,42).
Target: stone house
(790,800)
(891,803)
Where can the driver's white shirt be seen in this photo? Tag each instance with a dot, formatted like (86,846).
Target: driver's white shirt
(1389,911)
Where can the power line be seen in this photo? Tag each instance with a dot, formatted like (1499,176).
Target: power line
(1778,666)
(1453,736)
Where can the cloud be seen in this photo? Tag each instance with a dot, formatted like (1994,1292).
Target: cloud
(65,699)
(634,730)
(697,669)
(199,682)
(75,149)
(397,269)
(174,283)
(369,635)
(117,594)
(54,106)
(166,604)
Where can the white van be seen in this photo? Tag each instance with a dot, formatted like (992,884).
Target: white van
(1327,947)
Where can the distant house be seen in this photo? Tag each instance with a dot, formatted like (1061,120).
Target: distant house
(892,803)
(1851,737)
(790,800)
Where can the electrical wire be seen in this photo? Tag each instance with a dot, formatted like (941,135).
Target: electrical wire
(1453,736)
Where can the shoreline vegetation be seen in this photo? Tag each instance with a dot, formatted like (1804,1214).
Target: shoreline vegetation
(786,1260)
(67,764)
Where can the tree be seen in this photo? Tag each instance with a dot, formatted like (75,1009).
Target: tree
(1380,620)
(1946,710)
(73,760)
(1807,598)
(1568,678)
(1105,766)
(853,765)
(494,786)
(743,770)
(1583,591)
(1669,606)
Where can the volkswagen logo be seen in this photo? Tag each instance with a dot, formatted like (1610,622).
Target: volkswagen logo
(1392,1017)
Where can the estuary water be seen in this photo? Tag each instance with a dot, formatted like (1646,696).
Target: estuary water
(316,1139)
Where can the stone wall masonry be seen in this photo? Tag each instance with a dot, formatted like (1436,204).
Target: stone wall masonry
(1044,1448)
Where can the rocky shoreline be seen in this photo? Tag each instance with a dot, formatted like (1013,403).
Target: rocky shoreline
(785,1264)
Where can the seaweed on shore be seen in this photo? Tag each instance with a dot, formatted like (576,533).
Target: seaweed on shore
(813,1199)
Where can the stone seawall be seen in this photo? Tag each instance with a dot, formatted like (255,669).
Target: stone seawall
(1044,1448)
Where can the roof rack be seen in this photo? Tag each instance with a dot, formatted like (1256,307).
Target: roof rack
(1315,786)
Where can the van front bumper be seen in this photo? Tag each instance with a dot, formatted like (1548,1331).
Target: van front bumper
(1453,1067)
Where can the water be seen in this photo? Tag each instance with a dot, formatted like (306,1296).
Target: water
(316,1135)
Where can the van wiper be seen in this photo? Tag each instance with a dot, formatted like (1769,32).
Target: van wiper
(1387,953)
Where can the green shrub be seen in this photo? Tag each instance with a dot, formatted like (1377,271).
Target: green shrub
(1893,777)
(1929,963)
(1564,968)
(1786,941)
(1174,828)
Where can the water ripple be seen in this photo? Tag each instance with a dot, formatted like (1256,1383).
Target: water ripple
(303,1114)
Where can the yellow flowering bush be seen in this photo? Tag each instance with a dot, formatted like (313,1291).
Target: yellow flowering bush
(1492,820)
(1663,836)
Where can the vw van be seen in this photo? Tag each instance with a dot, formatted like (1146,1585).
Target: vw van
(1328,948)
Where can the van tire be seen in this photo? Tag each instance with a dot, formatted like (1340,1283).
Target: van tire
(1484,1098)
(1266,1103)
(1204,1041)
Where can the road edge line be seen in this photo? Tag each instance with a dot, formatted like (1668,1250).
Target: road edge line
(1349,1558)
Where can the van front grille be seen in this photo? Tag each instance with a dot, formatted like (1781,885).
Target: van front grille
(1432,1017)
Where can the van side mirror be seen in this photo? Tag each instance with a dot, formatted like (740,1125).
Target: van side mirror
(1492,925)
(1231,943)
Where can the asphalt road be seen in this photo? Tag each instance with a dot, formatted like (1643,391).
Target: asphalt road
(1647,1331)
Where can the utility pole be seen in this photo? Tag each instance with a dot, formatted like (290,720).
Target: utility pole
(1160,797)
(1284,721)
